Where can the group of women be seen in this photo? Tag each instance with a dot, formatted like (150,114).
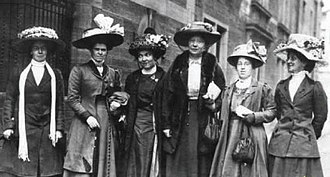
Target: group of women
(155,125)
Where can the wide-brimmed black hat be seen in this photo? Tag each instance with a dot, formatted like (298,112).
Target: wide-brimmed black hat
(157,43)
(27,37)
(104,33)
(251,50)
(202,29)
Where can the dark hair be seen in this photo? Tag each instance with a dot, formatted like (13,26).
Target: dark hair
(91,46)
(235,60)
(309,63)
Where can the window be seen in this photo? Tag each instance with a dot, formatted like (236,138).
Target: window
(219,49)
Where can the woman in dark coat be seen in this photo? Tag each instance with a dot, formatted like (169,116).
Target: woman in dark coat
(92,139)
(191,89)
(247,104)
(143,86)
(301,112)
(33,133)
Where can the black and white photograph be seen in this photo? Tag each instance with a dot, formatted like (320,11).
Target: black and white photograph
(164,88)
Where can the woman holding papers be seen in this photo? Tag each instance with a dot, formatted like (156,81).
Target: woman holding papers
(246,103)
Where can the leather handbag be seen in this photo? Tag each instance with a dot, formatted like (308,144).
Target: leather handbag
(244,149)
(212,129)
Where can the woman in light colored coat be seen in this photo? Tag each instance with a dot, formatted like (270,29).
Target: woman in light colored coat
(245,102)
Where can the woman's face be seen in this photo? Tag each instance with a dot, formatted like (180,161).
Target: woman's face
(196,45)
(294,64)
(146,59)
(39,51)
(99,52)
(244,68)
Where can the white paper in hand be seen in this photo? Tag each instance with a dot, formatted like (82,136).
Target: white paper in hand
(242,110)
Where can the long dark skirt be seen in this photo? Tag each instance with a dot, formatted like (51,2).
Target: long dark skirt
(186,161)
(294,167)
(140,153)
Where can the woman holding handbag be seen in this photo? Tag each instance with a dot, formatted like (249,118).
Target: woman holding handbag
(191,94)
(247,104)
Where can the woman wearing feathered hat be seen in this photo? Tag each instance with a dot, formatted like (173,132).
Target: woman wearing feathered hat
(247,104)
(92,141)
(191,94)
(32,135)
(144,88)
(301,111)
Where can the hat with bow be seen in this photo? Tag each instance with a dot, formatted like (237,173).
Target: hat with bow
(104,33)
(197,28)
(252,50)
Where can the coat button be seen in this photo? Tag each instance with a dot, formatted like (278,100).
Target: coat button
(187,124)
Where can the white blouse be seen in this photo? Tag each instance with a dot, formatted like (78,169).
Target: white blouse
(38,70)
(295,82)
(194,78)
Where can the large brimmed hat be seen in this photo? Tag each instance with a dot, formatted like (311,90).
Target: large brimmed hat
(30,35)
(157,43)
(252,50)
(104,33)
(202,29)
(309,46)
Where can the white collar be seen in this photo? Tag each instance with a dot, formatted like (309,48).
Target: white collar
(97,64)
(149,71)
(299,75)
(195,61)
(38,63)
(244,83)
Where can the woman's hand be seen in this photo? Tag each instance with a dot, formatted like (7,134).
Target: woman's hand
(249,118)
(7,133)
(167,133)
(114,105)
(58,135)
(92,122)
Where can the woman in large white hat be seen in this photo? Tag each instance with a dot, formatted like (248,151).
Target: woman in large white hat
(32,135)
(301,111)
(191,94)
(247,104)
(92,139)
(143,115)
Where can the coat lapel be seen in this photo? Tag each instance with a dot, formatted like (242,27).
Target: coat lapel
(45,78)
(30,79)
(94,69)
(303,89)
(284,89)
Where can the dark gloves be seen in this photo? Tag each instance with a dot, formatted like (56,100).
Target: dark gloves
(249,118)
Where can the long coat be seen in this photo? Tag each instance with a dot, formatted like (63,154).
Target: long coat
(300,121)
(175,100)
(42,154)
(260,100)
(85,85)
(131,87)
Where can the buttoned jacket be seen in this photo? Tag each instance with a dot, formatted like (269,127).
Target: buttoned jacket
(300,121)
(85,85)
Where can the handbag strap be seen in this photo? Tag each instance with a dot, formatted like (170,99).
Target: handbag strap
(245,131)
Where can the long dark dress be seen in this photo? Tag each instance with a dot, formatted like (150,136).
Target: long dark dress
(142,142)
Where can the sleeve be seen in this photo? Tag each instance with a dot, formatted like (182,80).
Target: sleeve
(320,106)
(12,92)
(74,94)
(220,81)
(167,100)
(268,107)
(59,100)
